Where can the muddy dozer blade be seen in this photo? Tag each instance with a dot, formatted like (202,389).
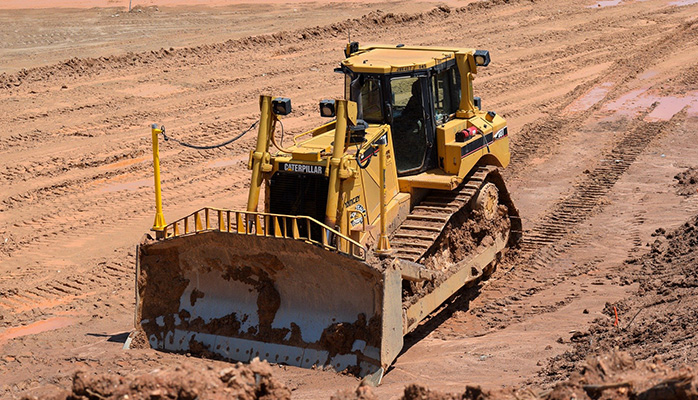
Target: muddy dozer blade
(282,300)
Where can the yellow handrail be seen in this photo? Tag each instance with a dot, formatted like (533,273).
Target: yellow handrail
(254,223)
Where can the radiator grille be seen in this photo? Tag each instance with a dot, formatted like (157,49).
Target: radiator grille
(298,194)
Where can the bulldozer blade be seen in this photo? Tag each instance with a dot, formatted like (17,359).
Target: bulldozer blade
(238,297)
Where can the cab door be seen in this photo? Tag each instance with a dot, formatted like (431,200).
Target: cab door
(412,125)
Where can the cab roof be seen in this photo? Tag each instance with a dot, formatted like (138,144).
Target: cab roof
(392,59)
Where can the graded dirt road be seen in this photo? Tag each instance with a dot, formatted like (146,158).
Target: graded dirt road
(602,102)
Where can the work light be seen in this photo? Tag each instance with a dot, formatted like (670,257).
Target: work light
(482,58)
(281,106)
(327,108)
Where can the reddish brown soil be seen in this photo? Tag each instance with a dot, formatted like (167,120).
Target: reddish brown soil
(687,182)
(243,382)
(602,116)
(618,376)
(657,321)
(608,376)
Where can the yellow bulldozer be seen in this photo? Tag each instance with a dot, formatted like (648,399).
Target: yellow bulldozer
(370,223)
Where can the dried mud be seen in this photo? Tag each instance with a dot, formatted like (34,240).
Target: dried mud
(467,232)
(618,376)
(165,274)
(608,376)
(182,382)
(687,182)
(162,282)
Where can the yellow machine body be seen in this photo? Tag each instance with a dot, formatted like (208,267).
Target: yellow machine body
(317,277)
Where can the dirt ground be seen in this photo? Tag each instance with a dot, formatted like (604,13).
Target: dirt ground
(602,104)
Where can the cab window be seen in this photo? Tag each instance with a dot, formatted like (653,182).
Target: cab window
(371,101)
(446,90)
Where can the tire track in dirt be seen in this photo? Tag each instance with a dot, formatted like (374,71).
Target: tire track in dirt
(557,231)
(92,67)
(590,191)
(136,203)
(532,140)
(28,304)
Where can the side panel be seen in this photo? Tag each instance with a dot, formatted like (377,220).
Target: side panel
(459,158)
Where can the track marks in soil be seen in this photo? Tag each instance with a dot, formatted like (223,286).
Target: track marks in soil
(23,305)
(544,136)
(546,242)
(590,191)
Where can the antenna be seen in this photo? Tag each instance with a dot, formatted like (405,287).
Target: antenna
(349,33)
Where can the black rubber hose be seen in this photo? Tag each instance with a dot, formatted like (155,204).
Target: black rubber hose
(215,146)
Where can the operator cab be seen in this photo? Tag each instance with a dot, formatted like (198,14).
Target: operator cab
(411,90)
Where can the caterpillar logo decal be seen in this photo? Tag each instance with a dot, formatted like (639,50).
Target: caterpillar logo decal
(303,168)
(357,217)
(501,133)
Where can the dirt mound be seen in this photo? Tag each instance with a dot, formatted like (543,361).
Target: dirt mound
(687,182)
(361,393)
(609,376)
(618,376)
(371,22)
(418,392)
(144,9)
(659,320)
(253,381)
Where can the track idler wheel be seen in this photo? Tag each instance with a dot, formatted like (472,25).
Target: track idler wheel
(487,201)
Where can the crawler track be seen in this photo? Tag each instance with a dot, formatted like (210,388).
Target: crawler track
(424,226)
